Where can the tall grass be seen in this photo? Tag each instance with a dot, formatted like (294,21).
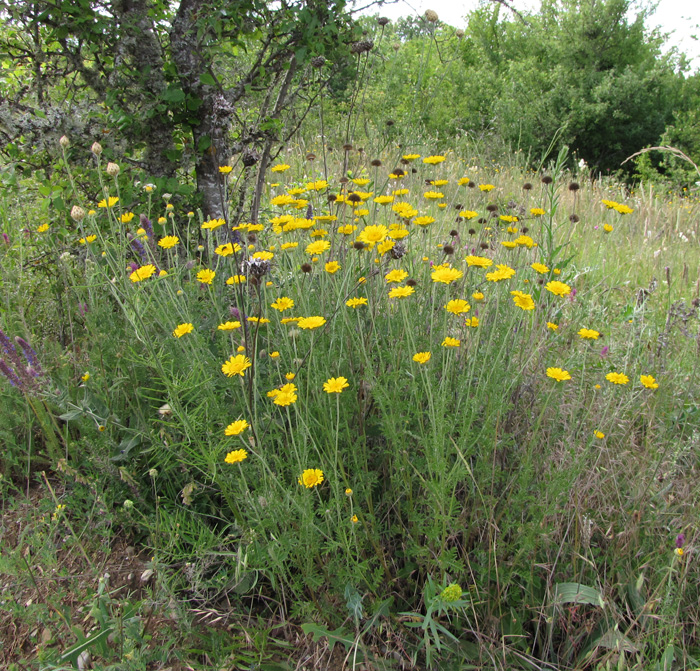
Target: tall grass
(555,506)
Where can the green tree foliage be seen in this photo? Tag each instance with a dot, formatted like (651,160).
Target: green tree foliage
(586,72)
(195,81)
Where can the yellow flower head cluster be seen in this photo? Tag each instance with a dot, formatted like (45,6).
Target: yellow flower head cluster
(401,292)
(445,274)
(206,276)
(503,273)
(589,334)
(182,330)
(236,456)
(523,301)
(479,261)
(458,306)
(373,234)
(236,365)
(236,428)
(311,477)
(213,224)
(335,385)
(318,247)
(229,326)
(168,242)
(309,323)
(558,374)
(617,378)
(558,288)
(384,200)
(142,273)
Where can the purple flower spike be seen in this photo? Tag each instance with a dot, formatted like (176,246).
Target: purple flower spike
(10,375)
(28,352)
(6,239)
(680,540)
(604,351)
(147,226)
(139,249)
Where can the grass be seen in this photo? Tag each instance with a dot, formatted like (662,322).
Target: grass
(332,474)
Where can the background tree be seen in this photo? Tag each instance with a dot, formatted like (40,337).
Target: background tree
(199,80)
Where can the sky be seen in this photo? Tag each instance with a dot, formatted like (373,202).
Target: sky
(679,17)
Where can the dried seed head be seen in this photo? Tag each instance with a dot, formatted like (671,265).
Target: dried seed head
(358,245)
(398,250)
(472,231)
(376,163)
(252,238)
(112,169)
(77,213)
(311,156)
(382,21)
(525,230)
(454,233)
(411,283)
(448,250)
(459,33)
(547,179)
(574,186)
(492,208)
(390,122)
(361,47)
(574,218)
(255,268)
(471,184)
(347,147)
(305,267)
(318,62)
(354,198)
(398,172)
(484,245)
(431,16)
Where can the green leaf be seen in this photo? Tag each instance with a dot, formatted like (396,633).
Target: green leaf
(174,95)
(207,79)
(573,592)
(337,636)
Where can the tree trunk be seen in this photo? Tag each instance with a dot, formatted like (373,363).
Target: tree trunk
(210,122)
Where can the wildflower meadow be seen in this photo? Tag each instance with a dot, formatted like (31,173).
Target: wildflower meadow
(394,402)
(448,403)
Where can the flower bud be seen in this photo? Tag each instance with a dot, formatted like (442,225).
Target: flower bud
(431,16)
(112,169)
(77,213)
(64,142)
(96,148)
